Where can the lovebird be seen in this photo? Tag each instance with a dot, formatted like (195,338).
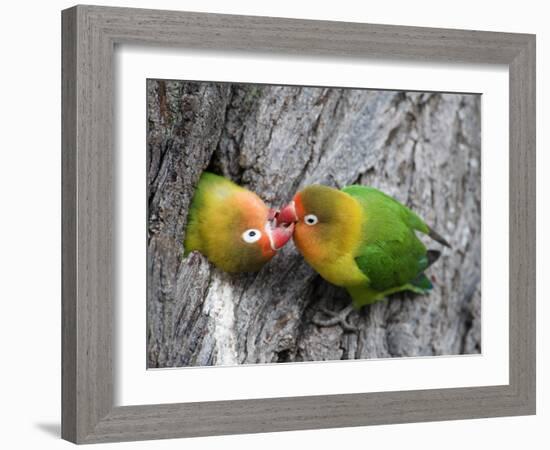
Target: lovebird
(232,226)
(363,240)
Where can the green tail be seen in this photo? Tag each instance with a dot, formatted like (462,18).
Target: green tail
(422,284)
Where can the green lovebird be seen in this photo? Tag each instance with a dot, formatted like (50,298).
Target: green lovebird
(232,226)
(363,240)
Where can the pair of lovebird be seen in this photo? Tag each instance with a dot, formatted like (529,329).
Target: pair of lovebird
(358,237)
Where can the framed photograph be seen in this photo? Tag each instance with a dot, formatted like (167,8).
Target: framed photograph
(278,224)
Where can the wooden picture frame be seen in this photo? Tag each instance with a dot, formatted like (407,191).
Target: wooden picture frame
(89,36)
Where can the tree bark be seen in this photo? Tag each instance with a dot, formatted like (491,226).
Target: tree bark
(421,148)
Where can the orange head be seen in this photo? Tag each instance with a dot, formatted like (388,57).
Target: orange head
(327,220)
(233,227)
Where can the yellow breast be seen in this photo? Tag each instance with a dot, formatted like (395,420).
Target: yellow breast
(341,272)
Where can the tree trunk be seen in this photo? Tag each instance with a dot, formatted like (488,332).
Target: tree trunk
(421,148)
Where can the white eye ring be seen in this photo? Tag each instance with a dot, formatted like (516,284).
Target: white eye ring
(252,235)
(311,219)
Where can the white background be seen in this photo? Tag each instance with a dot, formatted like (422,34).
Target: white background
(30,224)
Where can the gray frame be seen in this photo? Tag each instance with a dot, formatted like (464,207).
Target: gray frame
(89,36)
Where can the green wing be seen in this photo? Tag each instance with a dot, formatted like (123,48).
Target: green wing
(390,255)
(389,264)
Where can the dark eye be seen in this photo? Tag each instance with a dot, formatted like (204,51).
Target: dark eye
(251,236)
(311,219)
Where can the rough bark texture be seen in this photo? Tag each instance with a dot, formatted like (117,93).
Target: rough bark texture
(422,148)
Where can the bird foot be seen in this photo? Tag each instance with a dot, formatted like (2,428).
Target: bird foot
(336,318)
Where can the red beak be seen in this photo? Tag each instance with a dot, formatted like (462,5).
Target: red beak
(287,214)
(280,235)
